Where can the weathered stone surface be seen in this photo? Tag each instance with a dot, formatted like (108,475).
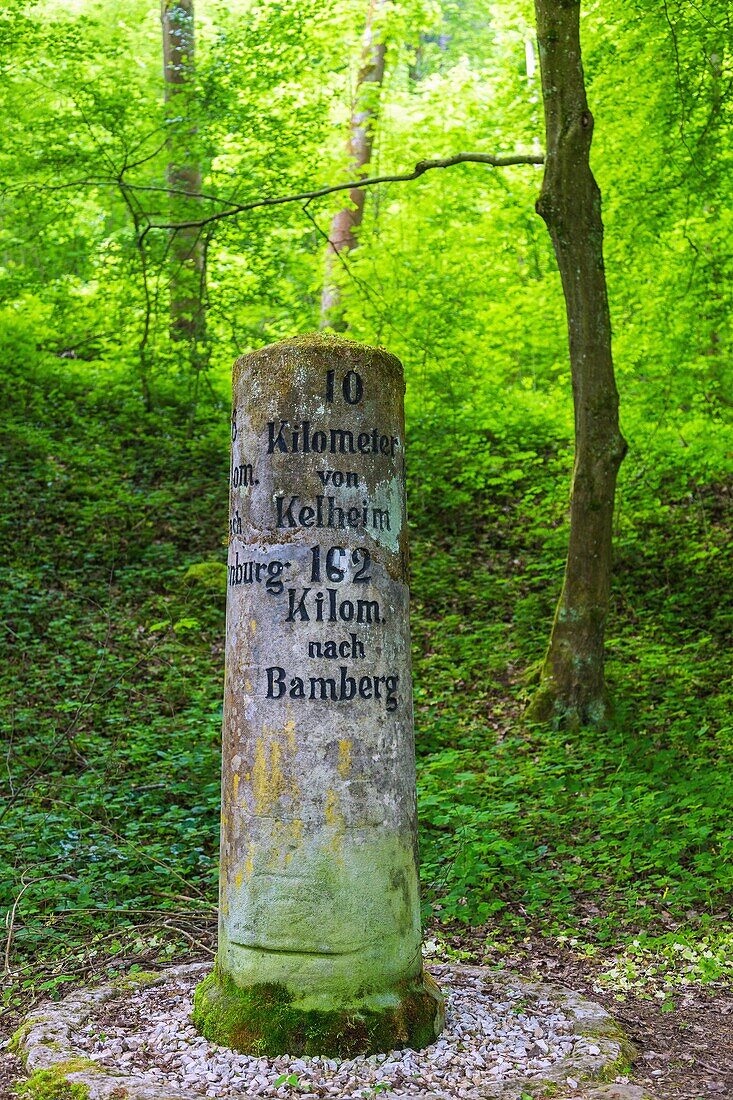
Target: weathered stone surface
(319,936)
(47,1043)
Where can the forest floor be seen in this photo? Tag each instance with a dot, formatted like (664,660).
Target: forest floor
(598,858)
(683,1054)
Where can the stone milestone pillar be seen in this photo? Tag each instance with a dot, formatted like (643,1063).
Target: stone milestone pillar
(319,927)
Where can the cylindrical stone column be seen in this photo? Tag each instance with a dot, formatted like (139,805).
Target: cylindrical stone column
(319,926)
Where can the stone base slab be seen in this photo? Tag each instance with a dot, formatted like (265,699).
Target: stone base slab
(44,1042)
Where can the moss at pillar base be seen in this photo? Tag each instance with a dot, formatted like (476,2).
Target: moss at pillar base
(263,1020)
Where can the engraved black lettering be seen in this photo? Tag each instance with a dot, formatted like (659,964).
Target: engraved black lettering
(347,684)
(339,478)
(243,475)
(367,611)
(297,688)
(275,682)
(284,438)
(353,387)
(278,440)
(297,608)
(338,651)
(274,583)
(324,685)
(342,441)
(334,572)
(316,565)
(380,519)
(285,516)
(362,575)
(335,513)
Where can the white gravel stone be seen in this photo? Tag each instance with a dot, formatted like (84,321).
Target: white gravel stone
(485,1040)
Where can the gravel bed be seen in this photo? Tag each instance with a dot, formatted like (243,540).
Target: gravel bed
(487,1039)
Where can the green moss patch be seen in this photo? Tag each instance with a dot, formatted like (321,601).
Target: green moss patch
(263,1020)
(53,1083)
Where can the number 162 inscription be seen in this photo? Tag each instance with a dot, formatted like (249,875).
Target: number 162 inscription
(335,572)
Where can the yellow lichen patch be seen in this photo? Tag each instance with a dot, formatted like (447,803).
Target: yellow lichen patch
(252,625)
(249,863)
(294,838)
(289,731)
(247,685)
(335,820)
(268,779)
(344,764)
(238,879)
(235,786)
(296,829)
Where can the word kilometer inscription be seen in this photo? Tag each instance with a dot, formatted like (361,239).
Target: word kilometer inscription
(319,585)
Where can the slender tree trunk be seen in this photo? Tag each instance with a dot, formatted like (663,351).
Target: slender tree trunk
(342,237)
(572,684)
(188,273)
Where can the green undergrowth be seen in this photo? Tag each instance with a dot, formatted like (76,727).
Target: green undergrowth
(114,529)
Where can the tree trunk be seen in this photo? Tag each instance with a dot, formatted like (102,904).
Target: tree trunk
(188,271)
(572,684)
(342,235)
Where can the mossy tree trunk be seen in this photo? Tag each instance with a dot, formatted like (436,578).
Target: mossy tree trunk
(187,254)
(572,684)
(342,236)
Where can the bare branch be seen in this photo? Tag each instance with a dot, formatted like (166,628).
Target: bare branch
(420,169)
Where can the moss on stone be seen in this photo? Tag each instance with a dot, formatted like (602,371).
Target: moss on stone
(263,1020)
(275,361)
(54,1083)
(138,980)
(620,1066)
(17,1039)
